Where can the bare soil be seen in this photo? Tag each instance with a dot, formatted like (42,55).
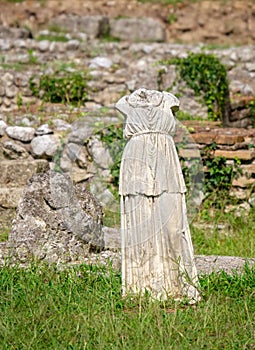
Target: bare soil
(221,21)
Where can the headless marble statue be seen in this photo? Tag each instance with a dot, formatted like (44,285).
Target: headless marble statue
(157,252)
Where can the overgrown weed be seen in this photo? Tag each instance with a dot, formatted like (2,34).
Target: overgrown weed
(81,307)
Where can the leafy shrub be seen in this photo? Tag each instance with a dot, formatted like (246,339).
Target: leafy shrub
(61,87)
(219,175)
(207,76)
(112,136)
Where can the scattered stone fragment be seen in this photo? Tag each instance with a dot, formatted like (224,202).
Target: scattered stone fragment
(43,129)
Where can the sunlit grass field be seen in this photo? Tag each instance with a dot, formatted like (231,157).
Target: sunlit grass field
(81,307)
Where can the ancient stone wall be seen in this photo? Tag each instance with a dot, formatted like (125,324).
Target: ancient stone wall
(35,136)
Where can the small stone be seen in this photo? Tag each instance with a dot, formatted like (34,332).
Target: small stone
(61,125)
(252,200)
(26,122)
(43,45)
(45,145)
(100,62)
(3,127)
(81,131)
(250,67)
(14,150)
(11,91)
(21,133)
(73,45)
(7,102)
(7,78)
(2,90)
(21,80)
(5,45)
(99,153)
(43,129)
(20,44)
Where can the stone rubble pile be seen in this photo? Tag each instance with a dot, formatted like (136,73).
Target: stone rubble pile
(30,148)
(116,68)
(25,150)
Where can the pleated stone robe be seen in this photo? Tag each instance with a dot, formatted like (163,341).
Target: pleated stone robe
(156,246)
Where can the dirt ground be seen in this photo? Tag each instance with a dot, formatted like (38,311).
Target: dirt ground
(229,21)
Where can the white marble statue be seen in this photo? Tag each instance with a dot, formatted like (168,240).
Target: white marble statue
(157,252)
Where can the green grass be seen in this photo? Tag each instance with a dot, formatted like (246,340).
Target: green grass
(224,234)
(82,308)
(51,37)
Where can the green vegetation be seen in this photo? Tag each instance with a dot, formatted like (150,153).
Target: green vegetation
(218,174)
(207,76)
(112,136)
(61,87)
(43,307)
(52,37)
(19,66)
(215,232)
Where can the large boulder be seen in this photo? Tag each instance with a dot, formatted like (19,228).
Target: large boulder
(138,29)
(56,221)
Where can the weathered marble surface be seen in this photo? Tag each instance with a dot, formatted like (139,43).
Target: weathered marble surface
(157,252)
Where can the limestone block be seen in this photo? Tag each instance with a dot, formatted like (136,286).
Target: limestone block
(14,150)
(61,125)
(204,137)
(56,221)
(137,29)
(92,26)
(15,173)
(7,102)
(243,181)
(7,78)
(11,91)
(21,133)
(189,153)
(224,139)
(45,146)
(248,168)
(81,131)
(240,154)
(10,196)
(238,192)
(99,153)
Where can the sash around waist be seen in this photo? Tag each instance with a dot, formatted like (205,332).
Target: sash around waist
(144,132)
